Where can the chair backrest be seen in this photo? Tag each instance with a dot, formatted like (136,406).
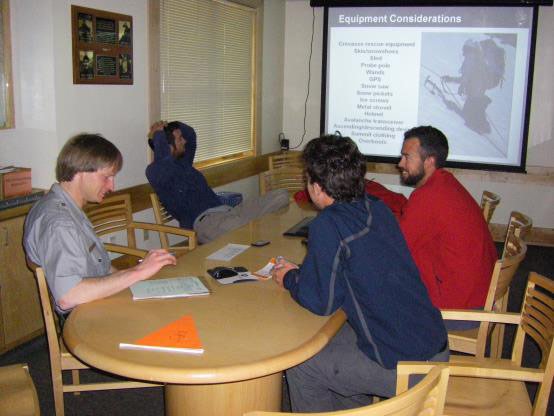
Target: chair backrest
(52,332)
(162,217)
(424,399)
(290,178)
(519,225)
(537,322)
(504,270)
(111,215)
(502,275)
(285,160)
(489,202)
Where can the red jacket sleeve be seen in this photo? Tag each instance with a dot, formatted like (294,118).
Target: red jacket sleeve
(393,200)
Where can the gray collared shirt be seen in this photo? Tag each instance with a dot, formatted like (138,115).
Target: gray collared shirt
(59,237)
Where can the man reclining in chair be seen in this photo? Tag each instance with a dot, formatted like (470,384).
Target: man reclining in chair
(185,193)
(60,238)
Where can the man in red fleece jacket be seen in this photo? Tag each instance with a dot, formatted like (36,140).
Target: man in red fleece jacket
(443,225)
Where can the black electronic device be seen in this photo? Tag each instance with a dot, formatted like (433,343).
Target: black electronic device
(222,272)
(300,229)
(260,243)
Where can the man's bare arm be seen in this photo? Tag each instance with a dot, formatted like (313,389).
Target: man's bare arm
(100,287)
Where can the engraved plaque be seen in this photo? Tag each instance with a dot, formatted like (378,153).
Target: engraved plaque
(105,30)
(106,66)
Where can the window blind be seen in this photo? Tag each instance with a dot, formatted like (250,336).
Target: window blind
(207,73)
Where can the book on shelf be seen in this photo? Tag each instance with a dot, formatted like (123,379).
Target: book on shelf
(34,196)
(179,336)
(175,287)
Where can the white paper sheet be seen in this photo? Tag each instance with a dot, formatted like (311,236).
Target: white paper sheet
(228,252)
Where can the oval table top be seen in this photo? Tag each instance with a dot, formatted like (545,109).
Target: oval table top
(248,330)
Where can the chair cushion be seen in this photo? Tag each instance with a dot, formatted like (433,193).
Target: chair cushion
(473,396)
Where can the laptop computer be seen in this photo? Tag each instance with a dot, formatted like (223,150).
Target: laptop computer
(300,229)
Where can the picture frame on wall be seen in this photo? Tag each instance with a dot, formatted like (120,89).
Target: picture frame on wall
(102,46)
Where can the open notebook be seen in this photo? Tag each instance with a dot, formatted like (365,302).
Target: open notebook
(175,287)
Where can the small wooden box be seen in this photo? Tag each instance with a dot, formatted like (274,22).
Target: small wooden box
(15,183)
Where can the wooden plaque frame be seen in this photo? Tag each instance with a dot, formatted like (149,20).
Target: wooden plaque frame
(102,46)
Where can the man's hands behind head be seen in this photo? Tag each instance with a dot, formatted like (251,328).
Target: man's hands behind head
(157,126)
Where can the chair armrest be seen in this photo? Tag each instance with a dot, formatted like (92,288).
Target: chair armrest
(115,248)
(168,229)
(163,228)
(481,316)
(472,367)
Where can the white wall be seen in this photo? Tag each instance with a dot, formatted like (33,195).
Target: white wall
(272,74)
(34,140)
(49,108)
(532,198)
(298,32)
(119,112)
(541,129)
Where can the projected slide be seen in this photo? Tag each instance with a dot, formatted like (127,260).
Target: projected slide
(466,73)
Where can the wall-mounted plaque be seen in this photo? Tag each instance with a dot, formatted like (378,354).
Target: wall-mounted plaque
(102,47)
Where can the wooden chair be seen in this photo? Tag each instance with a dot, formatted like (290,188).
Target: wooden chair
(18,396)
(62,360)
(115,214)
(488,386)
(519,225)
(286,160)
(290,178)
(162,217)
(489,202)
(474,341)
(425,398)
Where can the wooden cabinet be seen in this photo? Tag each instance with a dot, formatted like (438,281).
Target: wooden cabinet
(20,311)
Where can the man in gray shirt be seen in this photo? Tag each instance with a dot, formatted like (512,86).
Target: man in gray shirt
(60,238)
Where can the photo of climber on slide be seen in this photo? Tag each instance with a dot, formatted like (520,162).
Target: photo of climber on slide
(478,78)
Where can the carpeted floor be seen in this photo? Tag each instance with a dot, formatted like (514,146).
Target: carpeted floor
(150,402)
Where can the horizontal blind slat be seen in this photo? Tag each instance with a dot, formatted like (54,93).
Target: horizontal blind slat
(207,68)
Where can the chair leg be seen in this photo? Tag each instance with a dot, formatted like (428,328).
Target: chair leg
(497,334)
(76,380)
(57,389)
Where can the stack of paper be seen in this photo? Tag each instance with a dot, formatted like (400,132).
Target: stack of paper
(179,336)
(169,288)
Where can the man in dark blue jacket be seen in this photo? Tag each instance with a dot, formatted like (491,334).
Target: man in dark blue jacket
(185,193)
(357,260)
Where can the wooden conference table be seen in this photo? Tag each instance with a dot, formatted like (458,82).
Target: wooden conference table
(250,331)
